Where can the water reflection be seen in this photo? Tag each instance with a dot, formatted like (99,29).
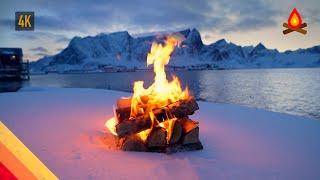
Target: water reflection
(293,91)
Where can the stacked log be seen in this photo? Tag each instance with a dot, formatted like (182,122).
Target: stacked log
(183,134)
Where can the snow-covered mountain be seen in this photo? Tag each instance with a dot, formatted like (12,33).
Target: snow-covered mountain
(121,50)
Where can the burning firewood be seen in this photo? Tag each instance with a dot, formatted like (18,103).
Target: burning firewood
(123,108)
(191,137)
(128,126)
(183,147)
(157,138)
(132,143)
(155,119)
(132,126)
(176,133)
(178,109)
(191,131)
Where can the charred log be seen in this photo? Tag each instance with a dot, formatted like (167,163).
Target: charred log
(178,109)
(157,138)
(132,126)
(132,143)
(183,147)
(123,109)
(176,132)
(190,131)
(183,108)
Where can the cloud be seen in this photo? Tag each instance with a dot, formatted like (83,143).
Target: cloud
(221,15)
(52,23)
(6,22)
(40,54)
(39,49)
(62,39)
(40,35)
(57,21)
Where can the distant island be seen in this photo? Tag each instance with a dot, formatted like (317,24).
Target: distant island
(120,51)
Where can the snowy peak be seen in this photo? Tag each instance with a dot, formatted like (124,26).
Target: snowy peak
(221,42)
(120,49)
(185,32)
(261,50)
(194,39)
(260,47)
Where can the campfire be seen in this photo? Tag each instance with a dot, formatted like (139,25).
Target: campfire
(294,23)
(156,119)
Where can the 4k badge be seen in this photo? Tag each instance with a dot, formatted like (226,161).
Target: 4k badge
(24,21)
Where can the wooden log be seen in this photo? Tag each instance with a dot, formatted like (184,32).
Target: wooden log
(183,147)
(157,138)
(178,109)
(132,143)
(176,132)
(124,102)
(123,109)
(132,126)
(300,30)
(190,130)
(191,137)
(129,125)
(183,108)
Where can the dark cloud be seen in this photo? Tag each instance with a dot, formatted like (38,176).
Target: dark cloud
(41,54)
(57,21)
(7,24)
(52,23)
(39,49)
(27,35)
(153,14)
(38,35)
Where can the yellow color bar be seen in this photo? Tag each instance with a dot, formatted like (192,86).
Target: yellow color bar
(24,155)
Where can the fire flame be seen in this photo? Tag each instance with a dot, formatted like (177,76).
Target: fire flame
(294,19)
(111,125)
(168,125)
(161,93)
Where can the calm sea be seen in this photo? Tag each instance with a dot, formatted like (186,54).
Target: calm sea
(292,91)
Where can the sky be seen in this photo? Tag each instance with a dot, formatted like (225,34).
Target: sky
(243,22)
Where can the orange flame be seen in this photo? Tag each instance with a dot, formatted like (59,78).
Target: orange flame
(294,19)
(144,134)
(111,125)
(168,125)
(161,93)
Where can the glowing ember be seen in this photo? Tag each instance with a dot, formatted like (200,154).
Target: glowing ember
(110,124)
(144,134)
(168,125)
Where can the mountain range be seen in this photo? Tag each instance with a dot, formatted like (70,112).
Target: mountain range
(123,51)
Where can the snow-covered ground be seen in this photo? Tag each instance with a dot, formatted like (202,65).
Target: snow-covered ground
(64,128)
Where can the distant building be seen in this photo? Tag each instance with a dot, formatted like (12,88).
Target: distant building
(12,65)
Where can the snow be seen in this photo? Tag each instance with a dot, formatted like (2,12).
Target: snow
(64,128)
(121,49)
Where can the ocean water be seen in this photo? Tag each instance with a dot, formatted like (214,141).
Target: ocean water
(292,91)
